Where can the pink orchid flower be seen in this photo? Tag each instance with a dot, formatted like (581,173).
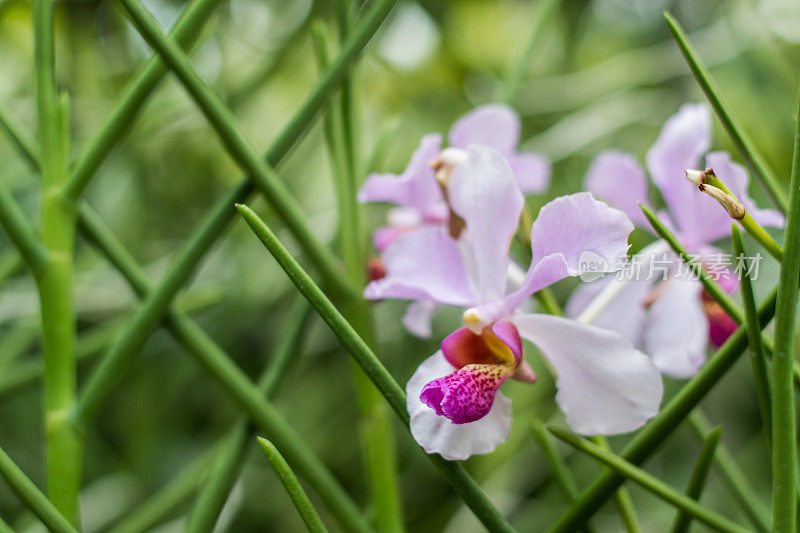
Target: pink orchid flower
(418,195)
(604,384)
(671,319)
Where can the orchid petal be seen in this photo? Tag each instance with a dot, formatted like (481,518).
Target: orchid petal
(494,125)
(531,171)
(676,329)
(415,187)
(620,180)
(438,434)
(467,394)
(482,191)
(605,386)
(418,316)
(499,343)
(423,264)
(683,139)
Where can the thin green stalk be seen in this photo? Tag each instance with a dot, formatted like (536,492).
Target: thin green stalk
(296,493)
(185,33)
(217,363)
(32,497)
(55,279)
(622,498)
(517,69)
(757,357)
(103,381)
(464,485)
(374,424)
(229,460)
(697,480)
(224,123)
(4,527)
(156,508)
(652,435)
(558,468)
(740,140)
(746,496)
(649,482)
(784,433)
(20,232)
(24,145)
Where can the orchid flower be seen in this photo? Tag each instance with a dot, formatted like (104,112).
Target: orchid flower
(671,319)
(418,194)
(604,384)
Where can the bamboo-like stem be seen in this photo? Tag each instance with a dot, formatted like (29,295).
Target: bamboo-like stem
(374,424)
(766,178)
(463,484)
(757,357)
(697,479)
(296,493)
(102,382)
(652,435)
(224,123)
(55,279)
(746,496)
(33,498)
(649,482)
(228,461)
(622,498)
(784,433)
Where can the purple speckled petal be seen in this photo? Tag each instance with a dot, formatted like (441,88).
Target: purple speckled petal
(437,434)
(467,394)
(482,191)
(684,138)
(415,187)
(424,264)
(494,125)
(716,222)
(617,178)
(605,386)
(531,170)
(417,318)
(676,329)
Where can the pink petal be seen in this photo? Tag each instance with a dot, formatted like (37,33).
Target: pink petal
(494,125)
(720,325)
(496,344)
(415,187)
(618,179)
(417,318)
(424,264)
(605,386)
(482,191)
(531,171)
(676,329)
(437,434)
(683,139)
(467,394)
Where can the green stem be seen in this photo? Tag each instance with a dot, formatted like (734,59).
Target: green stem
(746,496)
(296,492)
(697,479)
(652,435)
(743,144)
(229,460)
(784,437)
(464,485)
(650,483)
(622,498)
(55,279)
(757,357)
(224,123)
(32,497)
(374,424)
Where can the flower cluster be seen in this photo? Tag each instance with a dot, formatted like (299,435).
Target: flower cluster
(448,243)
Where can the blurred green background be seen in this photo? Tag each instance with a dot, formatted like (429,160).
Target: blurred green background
(605,74)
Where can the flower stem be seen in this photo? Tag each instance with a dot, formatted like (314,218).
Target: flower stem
(650,482)
(463,484)
(697,479)
(622,498)
(784,437)
(296,492)
(55,279)
(743,144)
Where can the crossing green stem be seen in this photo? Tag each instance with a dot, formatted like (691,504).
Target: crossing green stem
(697,480)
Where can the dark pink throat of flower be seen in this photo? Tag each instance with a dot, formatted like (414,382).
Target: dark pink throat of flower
(483,363)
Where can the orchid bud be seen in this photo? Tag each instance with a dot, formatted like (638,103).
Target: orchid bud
(734,207)
(444,164)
